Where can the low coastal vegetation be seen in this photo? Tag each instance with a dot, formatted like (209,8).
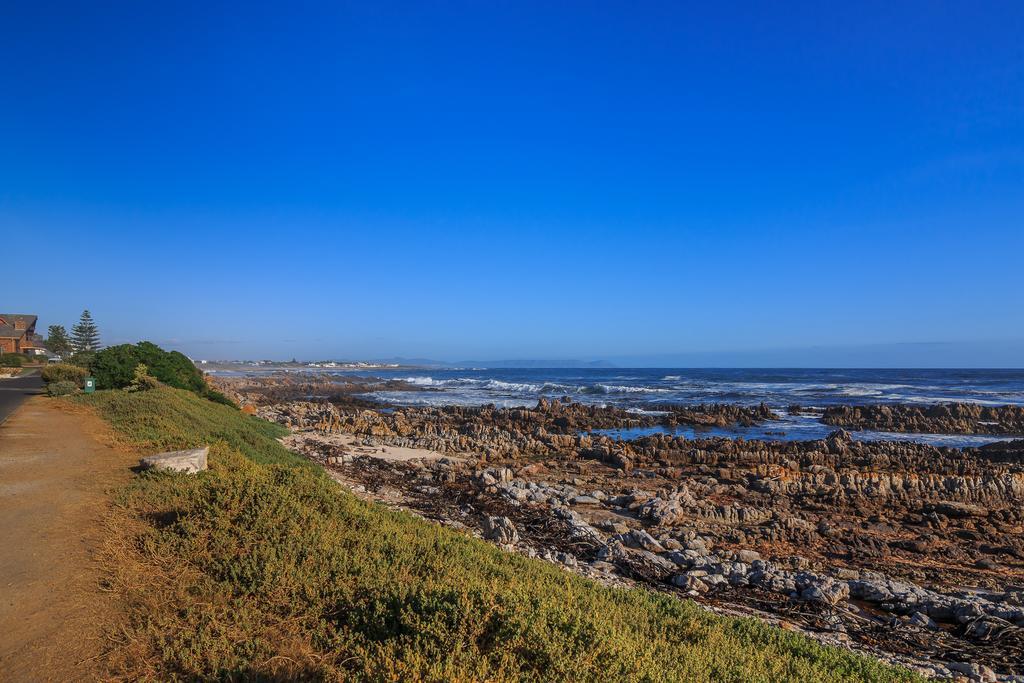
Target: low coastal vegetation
(167,419)
(65,372)
(130,366)
(115,368)
(264,568)
(63,379)
(13,360)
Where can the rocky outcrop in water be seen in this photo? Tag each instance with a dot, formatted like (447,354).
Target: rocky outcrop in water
(553,426)
(944,418)
(263,390)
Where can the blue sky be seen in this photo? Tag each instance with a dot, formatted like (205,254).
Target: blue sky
(516,180)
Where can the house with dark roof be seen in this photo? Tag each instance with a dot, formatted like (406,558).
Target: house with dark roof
(18,334)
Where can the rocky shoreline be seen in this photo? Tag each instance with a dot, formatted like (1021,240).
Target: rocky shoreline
(913,553)
(250,391)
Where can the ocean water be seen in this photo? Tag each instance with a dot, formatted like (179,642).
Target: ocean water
(644,389)
(803,428)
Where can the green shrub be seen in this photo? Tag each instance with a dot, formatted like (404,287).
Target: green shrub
(61,388)
(11,360)
(82,359)
(273,572)
(114,368)
(65,372)
(172,368)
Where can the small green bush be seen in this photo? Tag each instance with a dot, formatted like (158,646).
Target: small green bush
(61,388)
(114,368)
(82,359)
(143,381)
(64,372)
(11,360)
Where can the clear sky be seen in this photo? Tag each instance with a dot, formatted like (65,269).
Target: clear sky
(515,180)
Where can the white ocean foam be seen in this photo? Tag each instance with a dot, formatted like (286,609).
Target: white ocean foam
(555,388)
(620,389)
(481,389)
(518,387)
(858,391)
(422,381)
(496,385)
(810,388)
(412,398)
(641,411)
(933,400)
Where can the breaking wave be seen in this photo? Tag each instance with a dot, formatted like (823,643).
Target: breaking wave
(645,388)
(620,389)
(498,385)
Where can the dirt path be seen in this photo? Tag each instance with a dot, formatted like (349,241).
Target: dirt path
(55,472)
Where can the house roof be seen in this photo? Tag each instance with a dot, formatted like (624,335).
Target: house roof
(9,320)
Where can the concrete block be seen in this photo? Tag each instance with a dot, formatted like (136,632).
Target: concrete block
(190,461)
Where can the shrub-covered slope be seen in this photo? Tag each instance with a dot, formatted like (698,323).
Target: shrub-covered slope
(169,419)
(264,568)
(114,368)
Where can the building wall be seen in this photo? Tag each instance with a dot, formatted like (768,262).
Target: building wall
(8,345)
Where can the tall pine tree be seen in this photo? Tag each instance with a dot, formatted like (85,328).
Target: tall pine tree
(85,337)
(57,341)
